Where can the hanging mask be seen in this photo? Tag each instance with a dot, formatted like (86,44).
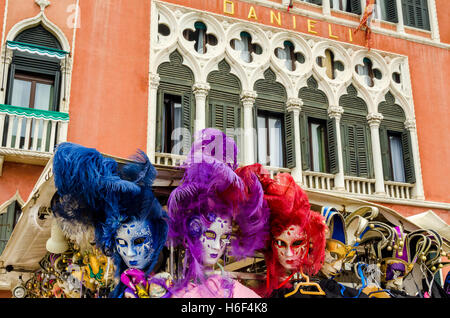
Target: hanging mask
(291,247)
(215,239)
(134,242)
(336,254)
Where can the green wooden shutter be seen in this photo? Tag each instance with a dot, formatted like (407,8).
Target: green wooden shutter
(223,116)
(187,111)
(355,6)
(7,222)
(349,149)
(363,154)
(289,139)
(415,13)
(38,35)
(385,154)
(423,19)
(391,11)
(304,138)
(408,157)
(332,146)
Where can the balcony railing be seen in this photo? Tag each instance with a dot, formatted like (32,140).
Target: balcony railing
(398,190)
(274,170)
(27,129)
(318,180)
(168,159)
(358,185)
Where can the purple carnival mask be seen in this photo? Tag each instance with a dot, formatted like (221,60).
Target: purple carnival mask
(215,239)
(134,244)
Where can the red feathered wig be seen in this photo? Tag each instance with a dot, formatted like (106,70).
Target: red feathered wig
(289,205)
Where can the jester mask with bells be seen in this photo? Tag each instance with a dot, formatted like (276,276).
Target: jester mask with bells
(337,252)
(422,248)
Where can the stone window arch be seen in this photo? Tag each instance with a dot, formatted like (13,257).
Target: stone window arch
(355,135)
(395,142)
(319,148)
(224,108)
(175,106)
(273,122)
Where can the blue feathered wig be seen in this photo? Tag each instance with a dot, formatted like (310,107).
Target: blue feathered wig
(93,191)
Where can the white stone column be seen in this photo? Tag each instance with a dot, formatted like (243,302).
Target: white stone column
(363,6)
(200,91)
(434,25)
(326,7)
(417,192)
(151,120)
(248,100)
(62,131)
(336,113)
(374,120)
(400,24)
(294,105)
(66,67)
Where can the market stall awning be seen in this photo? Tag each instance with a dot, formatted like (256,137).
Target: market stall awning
(36,49)
(430,220)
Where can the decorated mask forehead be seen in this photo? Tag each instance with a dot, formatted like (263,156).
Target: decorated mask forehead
(290,247)
(134,244)
(393,269)
(215,239)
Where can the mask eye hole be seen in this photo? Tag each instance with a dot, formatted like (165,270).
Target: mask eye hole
(225,238)
(297,243)
(280,243)
(139,240)
(121,243)
(210,235)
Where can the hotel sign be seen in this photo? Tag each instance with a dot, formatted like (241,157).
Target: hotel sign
(287,20)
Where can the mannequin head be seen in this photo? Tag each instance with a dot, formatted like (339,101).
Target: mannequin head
(215,210)
(297,235)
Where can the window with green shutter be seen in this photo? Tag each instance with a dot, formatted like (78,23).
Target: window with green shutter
(395,143)
(321,142)
(352,6)
(355,135)
(275,129)
(8,221)
(175,88)
(223,101)
(415,14)
(34,81)
(318,2)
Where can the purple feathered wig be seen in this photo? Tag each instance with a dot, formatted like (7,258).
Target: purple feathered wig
(210,188)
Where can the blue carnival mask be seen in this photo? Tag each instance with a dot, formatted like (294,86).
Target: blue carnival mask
(134,244)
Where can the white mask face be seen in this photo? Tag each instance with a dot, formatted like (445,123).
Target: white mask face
(215,239)
(332,265)
(290,247)
(134,244)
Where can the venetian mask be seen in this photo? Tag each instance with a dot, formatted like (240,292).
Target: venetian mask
(214,240)
(336,253)
(290,247)
(134,244)
(394,270)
